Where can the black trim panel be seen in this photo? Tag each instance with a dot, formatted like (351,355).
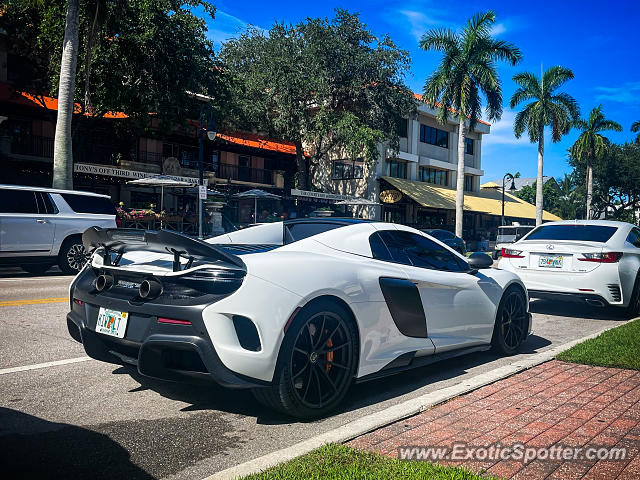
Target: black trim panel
(569,296)
(405,305)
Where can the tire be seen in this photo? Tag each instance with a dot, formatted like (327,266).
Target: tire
(72,256)
(512,322)
(495,255)
(317,362)
(633,309)
(36,268)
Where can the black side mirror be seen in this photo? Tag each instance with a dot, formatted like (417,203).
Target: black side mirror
(479,260)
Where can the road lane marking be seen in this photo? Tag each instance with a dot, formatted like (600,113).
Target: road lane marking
(36,301)
(44,365)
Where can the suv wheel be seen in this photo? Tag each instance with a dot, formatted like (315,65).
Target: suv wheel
(72,256)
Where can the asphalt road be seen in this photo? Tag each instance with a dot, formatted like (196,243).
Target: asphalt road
(94,420)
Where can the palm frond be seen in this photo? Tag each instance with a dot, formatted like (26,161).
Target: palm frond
(440,39)
(529,82)
(569,103)
(635,126)
(556,76)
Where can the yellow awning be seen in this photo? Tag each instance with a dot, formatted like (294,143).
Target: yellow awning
(488,201)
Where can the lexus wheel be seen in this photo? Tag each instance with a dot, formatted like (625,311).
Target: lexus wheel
(633,310)
(72,256)
(317,362)
(512,322)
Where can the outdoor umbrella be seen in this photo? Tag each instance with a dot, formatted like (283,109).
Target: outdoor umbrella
(161,181)
(256,194)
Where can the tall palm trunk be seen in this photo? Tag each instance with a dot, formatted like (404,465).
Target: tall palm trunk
(540,180)
(62,149)
(589,187)
(460,179)
(301,164)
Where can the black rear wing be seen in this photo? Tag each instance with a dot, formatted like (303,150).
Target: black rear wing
(122,240)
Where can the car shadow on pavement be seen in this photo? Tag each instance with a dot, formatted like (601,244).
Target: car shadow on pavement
(575,310)
(214,397)
(31,447)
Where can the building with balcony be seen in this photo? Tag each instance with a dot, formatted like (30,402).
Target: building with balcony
(416,185)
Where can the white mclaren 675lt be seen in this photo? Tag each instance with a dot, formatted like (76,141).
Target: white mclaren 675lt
(296,311)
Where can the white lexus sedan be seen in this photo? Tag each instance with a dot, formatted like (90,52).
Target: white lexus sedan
(593,261)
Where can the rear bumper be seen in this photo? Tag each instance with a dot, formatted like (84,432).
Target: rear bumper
(166,352)
(592,299)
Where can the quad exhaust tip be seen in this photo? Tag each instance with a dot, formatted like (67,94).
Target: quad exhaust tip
(104,282)
(150,289)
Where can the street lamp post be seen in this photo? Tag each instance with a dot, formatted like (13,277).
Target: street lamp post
(210,128)
(512,188)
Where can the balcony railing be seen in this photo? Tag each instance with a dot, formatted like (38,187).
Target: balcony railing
(32,145)
(244,174)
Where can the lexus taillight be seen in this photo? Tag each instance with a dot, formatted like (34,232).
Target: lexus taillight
(601,257)
(510,253)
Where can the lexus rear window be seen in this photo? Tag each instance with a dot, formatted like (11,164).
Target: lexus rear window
(589,233)
(89,204)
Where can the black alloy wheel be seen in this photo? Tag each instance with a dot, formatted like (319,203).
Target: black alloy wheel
(633,310)
(317,362)
(512,322)
(72,257)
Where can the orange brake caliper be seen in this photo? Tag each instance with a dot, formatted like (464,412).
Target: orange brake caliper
(329,356)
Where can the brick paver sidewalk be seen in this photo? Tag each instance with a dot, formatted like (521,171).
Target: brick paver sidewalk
(555,403)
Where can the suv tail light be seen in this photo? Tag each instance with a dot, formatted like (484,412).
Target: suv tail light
(509,253)
(601,257)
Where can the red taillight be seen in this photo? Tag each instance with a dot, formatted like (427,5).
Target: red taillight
(509,253)
(604,257)
(78,302)
(173,321)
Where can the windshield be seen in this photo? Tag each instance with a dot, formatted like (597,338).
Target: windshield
(589,233)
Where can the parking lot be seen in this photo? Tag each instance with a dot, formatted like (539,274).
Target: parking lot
(78,417)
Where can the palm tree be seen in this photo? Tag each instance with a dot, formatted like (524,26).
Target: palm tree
(635,128)
(62,149)
(566,202)
(467,70)
(590,145)
(557,110)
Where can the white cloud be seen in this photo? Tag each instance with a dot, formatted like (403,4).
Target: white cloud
(498,29)
(225,27)
(502,132)
(420,22)
(628,92)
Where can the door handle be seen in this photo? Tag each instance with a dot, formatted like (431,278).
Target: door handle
(40,220)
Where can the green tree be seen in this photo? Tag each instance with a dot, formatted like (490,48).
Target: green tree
(616,181)
(547,108)
(551,195)
(323,84)
(591,145)
(140,57)
(467,72)
(635,128)
(567,201)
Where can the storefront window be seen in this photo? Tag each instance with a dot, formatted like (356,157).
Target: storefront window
(468,183)
(434,136)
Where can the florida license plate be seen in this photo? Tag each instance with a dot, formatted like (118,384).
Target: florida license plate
(112,322)
(550,261)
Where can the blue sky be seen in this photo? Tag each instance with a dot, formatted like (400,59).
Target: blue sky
(597,40)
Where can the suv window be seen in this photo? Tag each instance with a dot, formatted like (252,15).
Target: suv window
(590,233)
(634,237)
(45,204)
(415,250)
(17,201)
(89,204)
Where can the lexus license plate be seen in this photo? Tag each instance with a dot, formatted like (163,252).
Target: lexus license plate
(550,261)
(112,322)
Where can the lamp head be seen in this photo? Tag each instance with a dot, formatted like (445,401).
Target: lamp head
(512,188)
(211,135)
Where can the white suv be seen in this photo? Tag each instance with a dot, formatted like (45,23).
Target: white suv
(40,227)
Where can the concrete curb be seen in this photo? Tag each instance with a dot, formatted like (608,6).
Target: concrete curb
(394,413)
